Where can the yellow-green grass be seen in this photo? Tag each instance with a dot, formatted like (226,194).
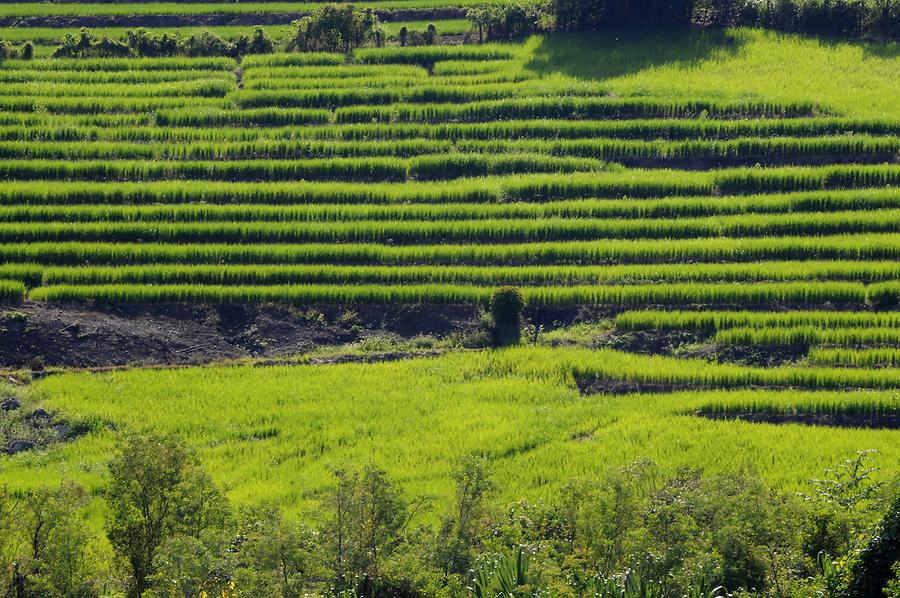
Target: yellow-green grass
(272,433)
(854,78)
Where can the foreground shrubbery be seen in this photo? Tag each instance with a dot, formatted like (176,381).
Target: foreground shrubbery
(172,532)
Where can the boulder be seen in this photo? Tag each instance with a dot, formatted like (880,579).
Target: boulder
(17,446)
(62,430)
(39,414)
(10,404)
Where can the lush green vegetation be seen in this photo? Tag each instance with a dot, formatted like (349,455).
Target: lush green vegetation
(727,199)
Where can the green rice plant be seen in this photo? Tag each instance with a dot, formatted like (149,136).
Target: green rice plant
(767,180)
(533,188)
(565,107)
(457,231)
(477,275)
(673,207)
(12,291)
(427,55)
(801,403)
(885,295)
(29,274)
(349,72)
(859,358)
(711,321)
(205,87)
(306,59)
(651,130)
(808,335)
(636,295)
(104,105)
(129,170)
(122,64)
(643,251)
(217,117)
(473,67)
(65,78)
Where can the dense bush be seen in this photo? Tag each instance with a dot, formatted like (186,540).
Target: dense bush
(143,43)
(173,532)
(510,20)
(336,29)
(844,18)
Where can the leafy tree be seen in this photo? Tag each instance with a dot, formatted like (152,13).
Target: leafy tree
(459,531)
(368,516)
(278,557)
(336,29)
(260,42)
(154,486)
(873,568)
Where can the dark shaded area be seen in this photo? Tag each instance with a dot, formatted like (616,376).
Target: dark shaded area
(615,53)
(882,421)
(37,335)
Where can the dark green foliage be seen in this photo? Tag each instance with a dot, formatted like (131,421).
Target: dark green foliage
(509,20)
(145,43)
(458,537)
(506,308)
(156,492)
(506,575)
(872,569)
(368,514)
(336,29)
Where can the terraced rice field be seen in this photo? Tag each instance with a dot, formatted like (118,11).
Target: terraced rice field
(432,175)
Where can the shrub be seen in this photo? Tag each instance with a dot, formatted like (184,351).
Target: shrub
(506,308)
(336,29)
(509,20)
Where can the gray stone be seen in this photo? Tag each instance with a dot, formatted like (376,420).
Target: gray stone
(17,446)
(62,430)
(10,404)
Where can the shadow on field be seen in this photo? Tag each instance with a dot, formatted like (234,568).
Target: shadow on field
(623,52)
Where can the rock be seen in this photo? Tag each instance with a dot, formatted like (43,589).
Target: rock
(39,414)
(62,430)
(10,404)
(18,446)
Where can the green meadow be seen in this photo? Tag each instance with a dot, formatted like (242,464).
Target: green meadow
(275,433)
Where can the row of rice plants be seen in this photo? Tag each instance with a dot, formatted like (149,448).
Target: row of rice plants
(808,335)
(63,128)
(673,207)
(116,76)
(666,371)
(843,147)
(11,291)
(538,188)
(645,251)
(790,402)
(634,295)
(458,231)
(349,72)
(359,93)
(859,358)
(205,87)
(477,275)
(179,63)
(104,105)
(712,321)
(568,107)
(429,167)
